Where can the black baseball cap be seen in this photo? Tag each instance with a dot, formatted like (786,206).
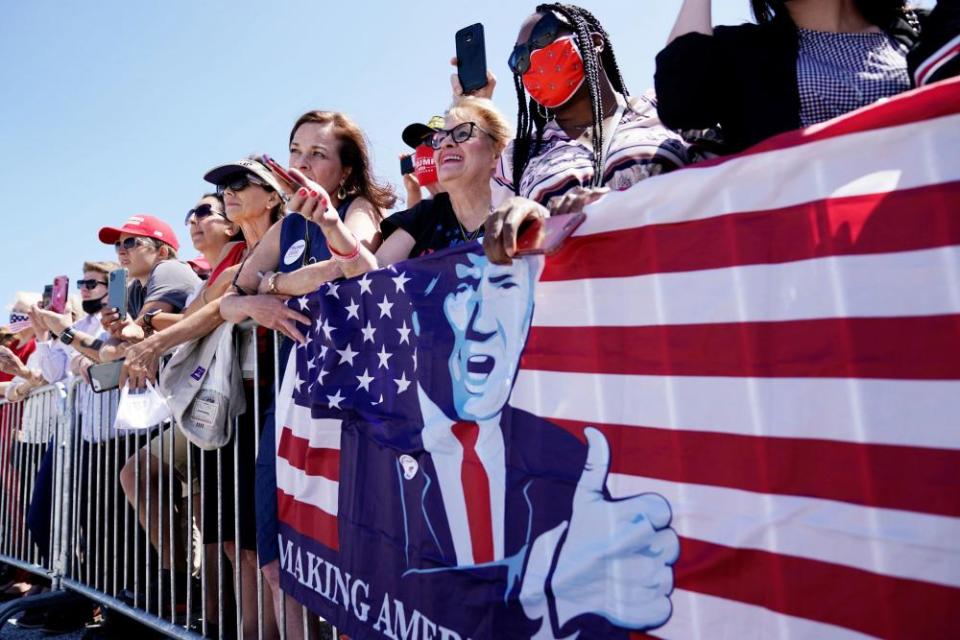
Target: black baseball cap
(414,134)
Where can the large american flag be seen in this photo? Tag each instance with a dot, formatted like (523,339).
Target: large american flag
(770,341)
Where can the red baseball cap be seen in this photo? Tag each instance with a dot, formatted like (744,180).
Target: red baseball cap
(144,226)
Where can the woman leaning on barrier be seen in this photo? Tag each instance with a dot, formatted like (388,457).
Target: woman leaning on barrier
(328,153)
(466,153)
(804,62)
(249,201)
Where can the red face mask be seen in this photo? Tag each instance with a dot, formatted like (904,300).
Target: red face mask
(555,73)
(423,166)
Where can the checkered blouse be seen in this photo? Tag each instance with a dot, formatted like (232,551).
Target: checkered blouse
(840,72)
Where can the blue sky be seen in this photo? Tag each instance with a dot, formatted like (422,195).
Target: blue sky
(114,108)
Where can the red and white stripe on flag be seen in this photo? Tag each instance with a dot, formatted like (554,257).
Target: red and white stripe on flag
(772,342)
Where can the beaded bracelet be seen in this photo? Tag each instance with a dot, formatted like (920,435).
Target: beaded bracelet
(345,257)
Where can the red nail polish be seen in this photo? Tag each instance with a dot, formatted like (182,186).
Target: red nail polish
(302,192)
(314,194)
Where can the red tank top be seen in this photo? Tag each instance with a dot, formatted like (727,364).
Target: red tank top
(234,256)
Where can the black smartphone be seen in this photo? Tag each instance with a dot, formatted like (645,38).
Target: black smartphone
(471,58)
(105,376)
(47,297)
(117,291)
(406,165)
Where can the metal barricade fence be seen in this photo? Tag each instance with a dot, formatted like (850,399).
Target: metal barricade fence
(27,429)
(139,521)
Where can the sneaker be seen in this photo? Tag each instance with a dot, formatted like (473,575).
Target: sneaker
(33,618)
(66,620)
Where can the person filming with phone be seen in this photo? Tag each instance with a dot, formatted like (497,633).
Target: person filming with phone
(579,131)
(157,281)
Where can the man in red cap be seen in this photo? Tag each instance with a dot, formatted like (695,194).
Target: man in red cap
(157,281)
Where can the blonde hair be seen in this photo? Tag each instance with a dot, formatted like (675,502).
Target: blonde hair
(484,113)
(104,267)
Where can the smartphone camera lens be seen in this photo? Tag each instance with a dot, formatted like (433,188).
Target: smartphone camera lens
(469,37)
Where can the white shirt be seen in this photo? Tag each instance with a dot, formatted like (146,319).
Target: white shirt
(447,454)
(56,358)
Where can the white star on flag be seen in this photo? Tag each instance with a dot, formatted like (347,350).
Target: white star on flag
(365,283)
(352,310)
(402,383)
(365,380)
(304,303)
(385,307)
(332,290)
(368,332)
(347,355)
(404,333)
(400,281)
(335,400)
(384,357)
(321,375)
(327,329)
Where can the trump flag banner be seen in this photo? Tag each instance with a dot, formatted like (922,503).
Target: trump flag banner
(728,407)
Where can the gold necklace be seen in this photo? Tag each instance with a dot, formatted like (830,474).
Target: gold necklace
(469,237)
(473,235)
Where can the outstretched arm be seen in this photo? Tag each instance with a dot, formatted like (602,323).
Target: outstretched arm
(694,17)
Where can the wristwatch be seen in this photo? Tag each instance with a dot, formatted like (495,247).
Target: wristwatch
(67,336)
(148,318)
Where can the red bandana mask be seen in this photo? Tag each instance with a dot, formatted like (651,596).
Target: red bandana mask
(423,166)
(555,73)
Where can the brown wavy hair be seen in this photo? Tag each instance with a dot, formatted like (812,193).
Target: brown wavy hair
(354,154)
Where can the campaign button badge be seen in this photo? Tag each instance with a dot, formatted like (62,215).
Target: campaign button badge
(410,466)
(294,252)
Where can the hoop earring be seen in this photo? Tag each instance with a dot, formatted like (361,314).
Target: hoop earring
(542,110)
(341,193)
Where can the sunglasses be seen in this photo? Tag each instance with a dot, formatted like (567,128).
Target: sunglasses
(240,182)
(89,285)
(201,212)
(459,134)
(129,244)
(544,32)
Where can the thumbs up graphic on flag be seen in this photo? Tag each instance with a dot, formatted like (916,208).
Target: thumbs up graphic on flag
(616,558)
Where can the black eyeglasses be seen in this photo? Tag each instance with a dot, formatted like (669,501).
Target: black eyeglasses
(201,212)
(129,244)
(459,134)
(89,285)
(544,32)
(239,182)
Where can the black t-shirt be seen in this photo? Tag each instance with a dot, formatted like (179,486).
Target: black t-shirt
(433,225)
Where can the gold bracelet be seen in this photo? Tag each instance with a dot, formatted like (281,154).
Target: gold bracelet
(272,283)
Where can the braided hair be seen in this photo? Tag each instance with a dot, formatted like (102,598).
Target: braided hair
(529,117)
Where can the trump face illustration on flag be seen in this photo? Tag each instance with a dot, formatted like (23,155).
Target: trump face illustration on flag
(483,502)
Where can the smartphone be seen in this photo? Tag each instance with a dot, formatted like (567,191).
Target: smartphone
(58,300)
(105,376)
(117,291)
(47,297)
(406,164)
(545,237)
(281,172)
(471,58)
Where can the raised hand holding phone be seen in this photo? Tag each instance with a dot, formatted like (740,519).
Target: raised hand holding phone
(312,201)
